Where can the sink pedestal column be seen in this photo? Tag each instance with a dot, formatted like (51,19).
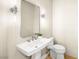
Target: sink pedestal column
(36,55)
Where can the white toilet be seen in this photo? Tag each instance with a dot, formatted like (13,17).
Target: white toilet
(56,51)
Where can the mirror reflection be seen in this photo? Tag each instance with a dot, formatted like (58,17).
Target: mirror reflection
(30,19)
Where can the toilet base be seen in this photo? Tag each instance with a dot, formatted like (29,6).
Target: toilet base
(60,56)
(56,56)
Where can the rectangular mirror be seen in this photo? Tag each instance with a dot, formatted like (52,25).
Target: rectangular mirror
(30,19)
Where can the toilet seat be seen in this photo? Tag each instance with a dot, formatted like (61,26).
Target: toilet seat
(59,48)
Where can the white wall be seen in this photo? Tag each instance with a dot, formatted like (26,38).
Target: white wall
(3,29)
(46,23)
(64,27)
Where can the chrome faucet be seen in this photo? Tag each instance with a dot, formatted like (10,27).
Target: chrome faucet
(34,37)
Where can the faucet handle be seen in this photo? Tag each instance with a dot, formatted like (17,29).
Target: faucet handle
(33,37)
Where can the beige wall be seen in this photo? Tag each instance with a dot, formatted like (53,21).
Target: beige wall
(64,27)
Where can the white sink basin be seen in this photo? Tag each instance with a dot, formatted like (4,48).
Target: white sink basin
(30,48)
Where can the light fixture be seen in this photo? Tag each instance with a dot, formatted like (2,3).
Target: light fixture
(13,10)
(42,12)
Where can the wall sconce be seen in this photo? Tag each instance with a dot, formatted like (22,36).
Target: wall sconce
(43,15)
(42,12)
(13,10)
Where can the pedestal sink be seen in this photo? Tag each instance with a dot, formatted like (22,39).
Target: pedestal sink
(34,47)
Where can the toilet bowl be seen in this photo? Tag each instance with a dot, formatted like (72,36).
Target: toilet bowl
(57,51)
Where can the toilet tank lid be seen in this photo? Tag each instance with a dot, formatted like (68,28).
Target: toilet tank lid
(56,46)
